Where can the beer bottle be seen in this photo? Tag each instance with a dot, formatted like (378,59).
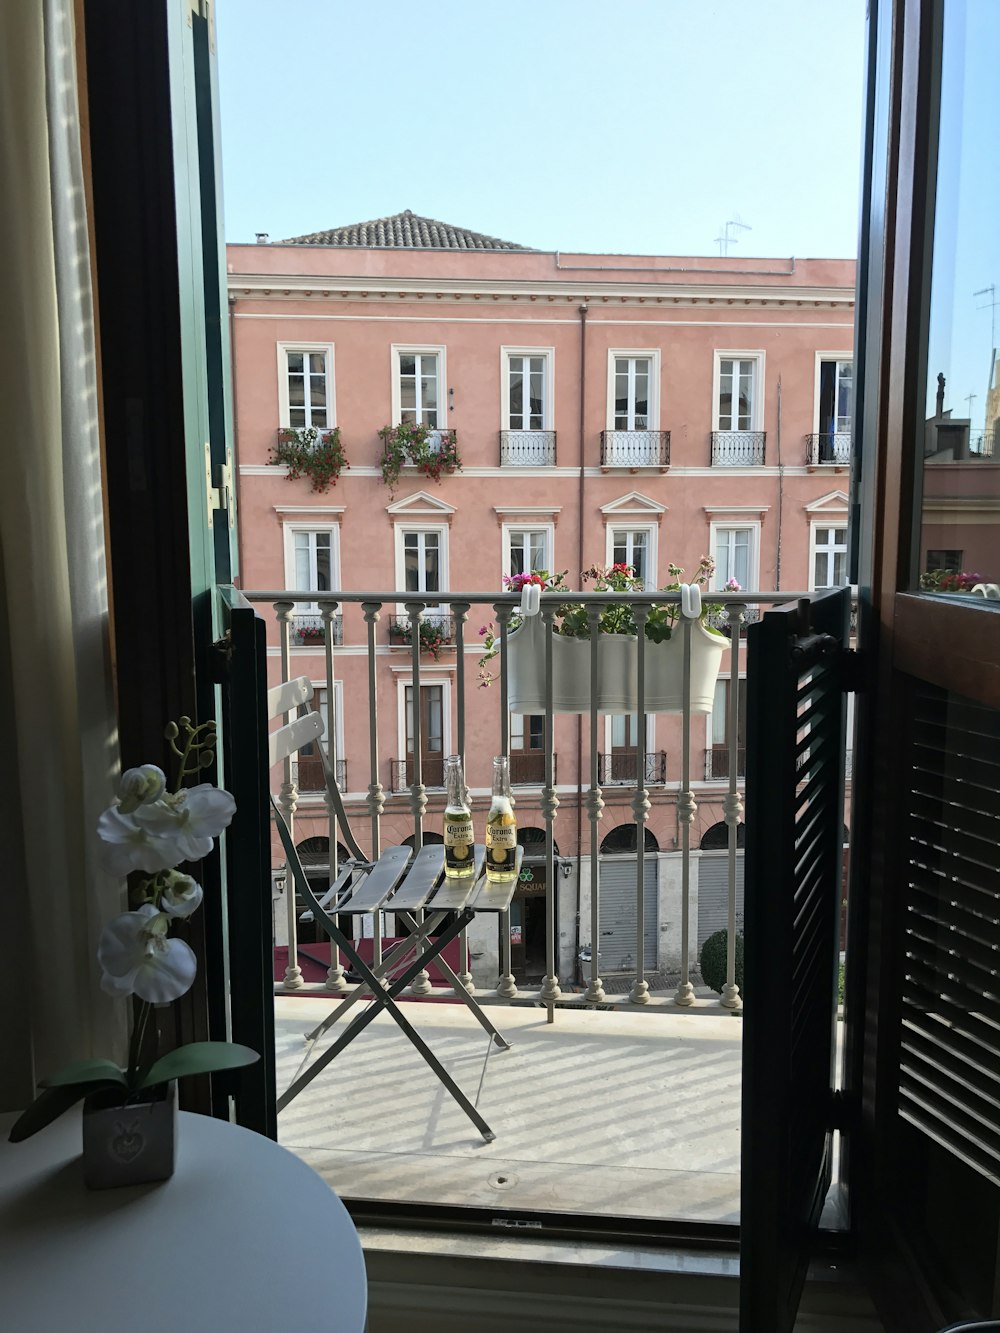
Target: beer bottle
(459,859)
(501,825)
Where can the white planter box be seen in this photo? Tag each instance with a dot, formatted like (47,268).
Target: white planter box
(617,663)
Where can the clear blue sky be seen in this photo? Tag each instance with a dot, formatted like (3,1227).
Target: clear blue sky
(595,125)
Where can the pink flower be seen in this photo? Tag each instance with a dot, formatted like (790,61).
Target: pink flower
(732,586)
(483,629)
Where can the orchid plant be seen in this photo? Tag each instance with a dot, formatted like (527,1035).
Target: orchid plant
(150,830)
(615,618)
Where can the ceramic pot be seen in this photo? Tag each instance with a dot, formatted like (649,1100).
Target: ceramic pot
(616,686)
(129,1145)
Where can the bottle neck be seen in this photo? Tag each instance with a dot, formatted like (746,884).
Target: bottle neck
(454,787)
(501,778)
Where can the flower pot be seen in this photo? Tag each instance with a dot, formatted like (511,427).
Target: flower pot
(132,1144)
(617,661)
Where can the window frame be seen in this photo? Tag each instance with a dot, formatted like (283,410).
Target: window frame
(653,355)
(398,350)
(550,542)
(289,531)
(283,347)
(757,404)
(840,358)
(753,526)
(399,530)
(814,550)
(404,682)
(626,525)
(548,385)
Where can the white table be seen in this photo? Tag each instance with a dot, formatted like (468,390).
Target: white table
(243,1237)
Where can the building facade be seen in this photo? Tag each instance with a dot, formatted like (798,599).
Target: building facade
(605,408)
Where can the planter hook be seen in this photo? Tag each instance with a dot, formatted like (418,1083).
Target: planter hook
(531,599)
(690,601)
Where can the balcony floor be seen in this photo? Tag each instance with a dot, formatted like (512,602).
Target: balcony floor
(617,1112)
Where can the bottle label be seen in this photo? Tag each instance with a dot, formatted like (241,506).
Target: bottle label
(501,835)
(458,832)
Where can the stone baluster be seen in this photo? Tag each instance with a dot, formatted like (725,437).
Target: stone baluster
(550,991)
(595,808)
(639,993)
(686,808)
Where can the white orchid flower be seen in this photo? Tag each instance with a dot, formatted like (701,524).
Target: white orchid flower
(139,786)
(127,846)
(189,819)
(138,958)
(182,894)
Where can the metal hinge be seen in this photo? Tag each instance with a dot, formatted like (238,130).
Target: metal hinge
(853,674)
(219,487)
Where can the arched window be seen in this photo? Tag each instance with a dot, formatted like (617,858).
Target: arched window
(622,840)
(716,838)
(533,841)
(429,837)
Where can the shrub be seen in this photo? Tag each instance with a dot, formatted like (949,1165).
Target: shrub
(432,452)
(318,454)
(713,960)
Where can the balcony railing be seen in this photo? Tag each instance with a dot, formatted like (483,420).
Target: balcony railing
(527,448)
(476,723)
(404,773)
(981,443)
(437,631)
(832,447)
(619,768)
(635,448)
(310,631)
(720,619)
(738,448)
(307,773)
(719,761)
(527,768)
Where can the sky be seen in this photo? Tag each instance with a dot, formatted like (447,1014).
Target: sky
(617,126)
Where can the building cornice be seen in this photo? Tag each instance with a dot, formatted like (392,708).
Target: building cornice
(324,288)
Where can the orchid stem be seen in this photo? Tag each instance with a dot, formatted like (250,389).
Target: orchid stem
(135,1046)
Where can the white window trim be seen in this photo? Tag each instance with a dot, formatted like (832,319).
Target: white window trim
(753,527)
(548,397)
(651,530)
(650,732)
(283,348)
(528,525)
(654,383)
(404,525)
(288,538)
(820,358)
(402,683)
(397,350)
(758,356)
(709,729)
(840,525)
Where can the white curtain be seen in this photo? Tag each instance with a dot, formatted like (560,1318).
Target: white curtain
(57,725)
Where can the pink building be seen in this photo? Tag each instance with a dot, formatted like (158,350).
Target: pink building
(645,409)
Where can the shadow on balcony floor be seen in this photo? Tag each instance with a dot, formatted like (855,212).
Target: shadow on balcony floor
(611,1113)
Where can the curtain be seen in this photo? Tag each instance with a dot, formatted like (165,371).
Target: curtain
(56,703)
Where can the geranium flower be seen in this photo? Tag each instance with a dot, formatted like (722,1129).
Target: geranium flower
(181,896)
(137,958)
(188,819)
(127,846)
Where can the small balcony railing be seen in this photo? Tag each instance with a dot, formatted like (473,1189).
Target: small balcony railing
(620,767)
(404,773)
(738,448)
(720,619)
(829,447)
(437,631)
(527,448)
(527,768)
(310,631)
(307,773)
(981,443)
(719,762)
(635,448)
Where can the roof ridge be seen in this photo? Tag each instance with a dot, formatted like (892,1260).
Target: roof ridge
(405,230)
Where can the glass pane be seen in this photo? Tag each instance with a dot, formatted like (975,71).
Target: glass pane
(719,710)
(435,716)
(960,479)
(408,395)
(296,391)
(294,362)
(407,365)
(517,731)
(324,574)
(516,399)
(303,572)
(428,392)
(317,363)
(536,732)
(409,719)
(431,575)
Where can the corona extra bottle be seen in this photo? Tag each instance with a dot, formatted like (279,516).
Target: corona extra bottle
(501,826)
(459,851)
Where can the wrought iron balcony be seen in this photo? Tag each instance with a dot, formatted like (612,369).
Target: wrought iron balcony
(404,773)
(307,773)
(635,448)
(720,619)
(719,761)
(619,768)
(309,631)
(437,631)
(829,447)
(527,448)
(527,768)
(738,448)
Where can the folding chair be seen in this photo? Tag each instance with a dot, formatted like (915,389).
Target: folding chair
(396,884)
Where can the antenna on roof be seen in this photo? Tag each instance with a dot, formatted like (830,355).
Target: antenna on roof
(725,240)
(992,303)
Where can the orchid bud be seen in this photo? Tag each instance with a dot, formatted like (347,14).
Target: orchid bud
(140,786)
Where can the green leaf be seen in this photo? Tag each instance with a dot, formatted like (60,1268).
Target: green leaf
(85,1071)
(200,1057)
(53,1102)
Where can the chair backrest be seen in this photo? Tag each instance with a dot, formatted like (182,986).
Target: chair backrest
(288,695)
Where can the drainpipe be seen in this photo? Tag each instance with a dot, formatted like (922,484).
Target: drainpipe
(581,487)
(781,492)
